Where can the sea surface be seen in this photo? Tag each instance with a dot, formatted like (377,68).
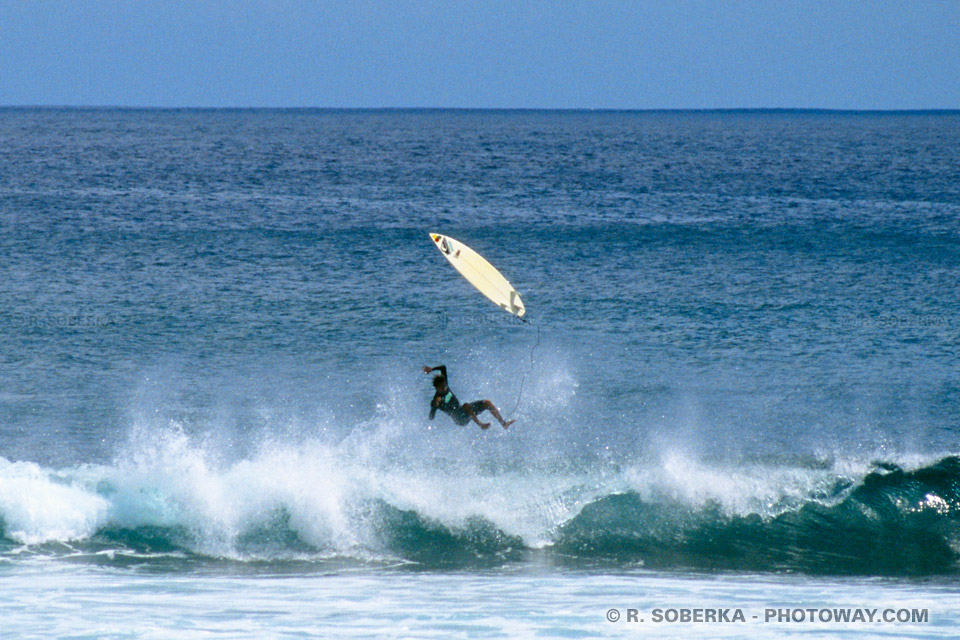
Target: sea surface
(738,388)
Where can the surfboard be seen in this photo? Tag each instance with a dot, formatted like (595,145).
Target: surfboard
(480,273)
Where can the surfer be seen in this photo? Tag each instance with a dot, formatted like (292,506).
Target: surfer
(445,401)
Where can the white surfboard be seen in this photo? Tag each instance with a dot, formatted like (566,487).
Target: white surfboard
(480,274)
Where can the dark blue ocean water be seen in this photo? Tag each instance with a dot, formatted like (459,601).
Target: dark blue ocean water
(741,357)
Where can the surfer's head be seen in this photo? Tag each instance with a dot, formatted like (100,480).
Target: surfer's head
(439,383)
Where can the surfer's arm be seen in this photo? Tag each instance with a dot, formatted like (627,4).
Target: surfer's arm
(433,407)
(442,369)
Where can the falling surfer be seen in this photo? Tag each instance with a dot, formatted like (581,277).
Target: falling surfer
(445,401)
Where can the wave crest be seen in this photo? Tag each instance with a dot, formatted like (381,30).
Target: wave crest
(313,501)
(893,523)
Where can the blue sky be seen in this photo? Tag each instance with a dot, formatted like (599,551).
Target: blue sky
(486,53)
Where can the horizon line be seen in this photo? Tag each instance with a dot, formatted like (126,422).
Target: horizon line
(823,110)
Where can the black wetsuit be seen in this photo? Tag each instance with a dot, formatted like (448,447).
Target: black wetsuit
(448,403)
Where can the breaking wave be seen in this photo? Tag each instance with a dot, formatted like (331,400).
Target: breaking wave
(175,500)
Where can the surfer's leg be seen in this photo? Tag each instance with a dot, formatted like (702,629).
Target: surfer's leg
(470,410)
(489,406)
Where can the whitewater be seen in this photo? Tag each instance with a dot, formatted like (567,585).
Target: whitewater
(169,497)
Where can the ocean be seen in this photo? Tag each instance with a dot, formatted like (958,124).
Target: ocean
(737,394)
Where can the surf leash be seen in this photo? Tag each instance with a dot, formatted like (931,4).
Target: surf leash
(529,368)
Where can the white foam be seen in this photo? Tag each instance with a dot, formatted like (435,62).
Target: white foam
(38,506)
(738,489)
(329,491)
